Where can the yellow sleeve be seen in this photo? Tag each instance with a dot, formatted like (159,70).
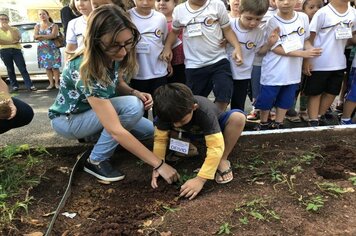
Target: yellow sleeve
(214,150)
(160,143)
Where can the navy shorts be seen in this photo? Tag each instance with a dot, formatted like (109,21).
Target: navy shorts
(324,82)
(278,96)
(216,77)
(351,94)
(225,116)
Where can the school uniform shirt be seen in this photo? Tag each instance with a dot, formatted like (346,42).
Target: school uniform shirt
(76,31)
(154,30)
(280,70)
(251,41)
(72,95)
(325,24)
(202,32)
(6,35)
(205,122)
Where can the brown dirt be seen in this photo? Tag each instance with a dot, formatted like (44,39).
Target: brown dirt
(132,207)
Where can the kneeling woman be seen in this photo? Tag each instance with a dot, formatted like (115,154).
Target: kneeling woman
(94,98)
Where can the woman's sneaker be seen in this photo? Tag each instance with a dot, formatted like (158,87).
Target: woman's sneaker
(103,171)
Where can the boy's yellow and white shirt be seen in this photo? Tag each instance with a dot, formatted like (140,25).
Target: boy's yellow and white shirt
(205,121)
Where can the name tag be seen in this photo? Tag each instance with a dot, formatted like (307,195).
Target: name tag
(343,33)
(179,146)
(292,44)
(194,30)
(143,48)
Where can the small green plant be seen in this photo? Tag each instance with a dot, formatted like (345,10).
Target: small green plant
(353,180)
(257,209)
(331,188)
(315,203)
(184,176)
(225,229)
(276,175)
(170,209)
(297,169)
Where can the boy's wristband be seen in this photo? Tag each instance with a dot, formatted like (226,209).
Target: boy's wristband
(156,168)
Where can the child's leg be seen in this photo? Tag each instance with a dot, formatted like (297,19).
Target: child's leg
(349,107)
(284,101)
(313,107)
(239,94)
(325,102)
(232,132)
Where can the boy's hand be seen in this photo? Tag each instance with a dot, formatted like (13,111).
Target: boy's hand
(307,67)
(166,55)
(223,43)
(192,187)
(236,55)
(170,70)
(273,37)
(168,173)
(312,52)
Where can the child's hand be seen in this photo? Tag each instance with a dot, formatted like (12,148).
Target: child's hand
(312,52)
(307,67)
(223,43)
(236,55)
(13,110)
(192,187)
(170,70)
(273,37)
(166,55)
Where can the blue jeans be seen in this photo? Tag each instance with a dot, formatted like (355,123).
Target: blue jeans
(130,111)
(9,56)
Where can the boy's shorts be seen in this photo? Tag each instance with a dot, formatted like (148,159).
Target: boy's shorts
(216,77)
(279,96)
(324,82)
(351,94)
(225,116)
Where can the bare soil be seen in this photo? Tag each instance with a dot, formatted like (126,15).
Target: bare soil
(275,177)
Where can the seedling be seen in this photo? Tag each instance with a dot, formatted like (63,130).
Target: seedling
(225,229)
(297,169)
(331,188)
(170,209)
(315,203)
(353,180)
(257,209)
(184,176)
(276,175)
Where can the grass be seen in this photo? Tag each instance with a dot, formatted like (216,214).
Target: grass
(16,180)
(315,203)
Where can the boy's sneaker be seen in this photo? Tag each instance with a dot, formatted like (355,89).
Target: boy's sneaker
(346,122)
(323,121)
(33,88)
(263,126)
(276,125)
(254,115)
(313,123)
(103,171)
(15,89)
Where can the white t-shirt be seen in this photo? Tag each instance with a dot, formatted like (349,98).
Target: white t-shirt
(284,70)
(76,31)
(208,21)
(325,23)
(251,41)
(153,29)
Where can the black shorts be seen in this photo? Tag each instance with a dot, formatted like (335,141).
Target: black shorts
(324,82)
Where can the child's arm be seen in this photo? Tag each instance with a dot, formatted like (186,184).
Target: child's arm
(307,53)
(232,39)
(215,149)
(167,54)
(272,39)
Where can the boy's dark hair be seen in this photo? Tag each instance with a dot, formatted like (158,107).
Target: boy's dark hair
(173,101)
(257,7)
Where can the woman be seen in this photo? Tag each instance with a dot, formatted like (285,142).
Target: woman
(48,55)
(88,101)
(10,52)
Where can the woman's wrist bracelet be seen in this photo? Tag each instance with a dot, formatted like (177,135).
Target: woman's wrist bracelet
(156,168)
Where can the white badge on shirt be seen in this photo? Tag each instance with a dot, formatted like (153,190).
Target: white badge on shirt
(194,30)
(343,32)
(292,43)
(143,48)
(179,146)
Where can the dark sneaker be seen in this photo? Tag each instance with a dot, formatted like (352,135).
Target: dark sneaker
(313,123)
(263,126)
(291,112)
(33,88)
(276,125)
(103,171)
(15,89)
(346,122)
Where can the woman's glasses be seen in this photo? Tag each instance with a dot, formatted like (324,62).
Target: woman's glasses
(116,47)
(162,0)
(4,19)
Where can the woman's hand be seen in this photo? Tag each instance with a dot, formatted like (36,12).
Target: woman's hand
(146,98)
(168,173)
(13,110)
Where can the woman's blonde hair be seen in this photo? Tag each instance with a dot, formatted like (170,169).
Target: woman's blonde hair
(106,20)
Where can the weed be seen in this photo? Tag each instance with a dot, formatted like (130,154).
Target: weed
(276,175)
(331,188)
(297,169)
(169,209)
(315,203)
(184,176)
(257,209)
(225,229)
(353,180)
